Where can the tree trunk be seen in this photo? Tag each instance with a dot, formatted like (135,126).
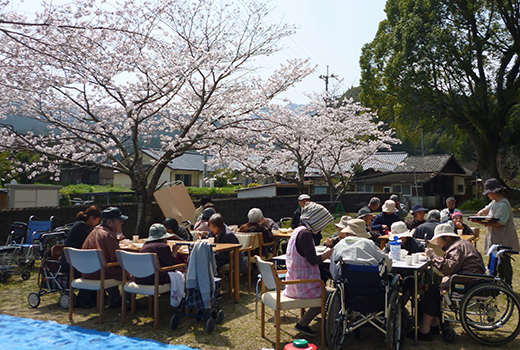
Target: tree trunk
(486,146)
(144,212)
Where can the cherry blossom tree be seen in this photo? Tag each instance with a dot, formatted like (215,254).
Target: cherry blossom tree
(317,137)
(105,79)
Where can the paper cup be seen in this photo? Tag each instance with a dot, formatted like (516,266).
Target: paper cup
(409,260)
(459,231)
(211,240)
(404,253)
(415,258)
(135,238)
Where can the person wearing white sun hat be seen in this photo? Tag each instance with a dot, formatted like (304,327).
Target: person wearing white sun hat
(384,221)
(409,243)
(356,249)
(460,256)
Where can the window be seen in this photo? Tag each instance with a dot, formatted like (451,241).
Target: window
(397,189)
(366,188)
(407,190)
(386,189)
(460,188)
(186,179)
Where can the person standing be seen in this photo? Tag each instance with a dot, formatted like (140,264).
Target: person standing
(303,199)
(86,221)
(402,209)
(503,231)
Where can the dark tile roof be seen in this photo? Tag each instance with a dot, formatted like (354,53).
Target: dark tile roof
(424,164)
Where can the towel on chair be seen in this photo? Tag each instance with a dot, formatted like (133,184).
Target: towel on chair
(177,287)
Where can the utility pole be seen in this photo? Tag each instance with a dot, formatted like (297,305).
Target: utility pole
(326,78)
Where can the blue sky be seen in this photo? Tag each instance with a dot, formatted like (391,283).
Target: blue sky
(332,32)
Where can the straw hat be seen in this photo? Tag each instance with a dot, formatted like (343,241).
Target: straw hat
(444,230)
(389,207)
(356,227)
(343,222)
(157,232)
(492,186)
(399,230)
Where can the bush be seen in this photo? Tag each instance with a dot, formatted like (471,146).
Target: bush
(473,204)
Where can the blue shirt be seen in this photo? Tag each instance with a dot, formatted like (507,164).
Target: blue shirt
(384,219)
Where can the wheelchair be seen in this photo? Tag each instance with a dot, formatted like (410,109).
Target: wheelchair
(364,295)
(486,307)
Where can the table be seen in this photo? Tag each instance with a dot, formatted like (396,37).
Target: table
(383,240)
(283,257)
(280,236)
(416,268)
(219,247)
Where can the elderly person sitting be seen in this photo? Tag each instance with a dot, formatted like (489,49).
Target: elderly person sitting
(356,248)
(367,216)
(339,235)
(223,234)
(303,263)
(156,243)
(408,243)
(418,213)
(448,212)
(460,256)
(457,219)
(255,224)
(202,224)
(180,233)
(384,221)
(426,230)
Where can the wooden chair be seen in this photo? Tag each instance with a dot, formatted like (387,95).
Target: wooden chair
(264,245)
(277,301)
(89,261)
(476,231)
(142,265)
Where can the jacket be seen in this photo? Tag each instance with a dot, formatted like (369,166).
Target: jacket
(164,253)
(426,230)
(102,237)
(460,256)
(383,219)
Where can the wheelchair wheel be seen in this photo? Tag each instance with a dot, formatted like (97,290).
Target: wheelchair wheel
(449,335)
(490,314)
(334,321)
(209,326)
(25,275)
(394,330)
(175,321)
(33,300)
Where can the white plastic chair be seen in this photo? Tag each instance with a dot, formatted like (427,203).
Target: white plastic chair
(89,261)
(277,301)
(142,265)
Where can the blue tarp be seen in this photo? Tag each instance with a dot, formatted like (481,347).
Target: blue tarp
(26,334)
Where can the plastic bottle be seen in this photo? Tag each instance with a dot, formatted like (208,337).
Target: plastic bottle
(395,249)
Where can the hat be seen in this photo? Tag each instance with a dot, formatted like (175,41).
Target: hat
(418,207)
(343,222)
(389,207)
(445,230)
(492,186)
(394,197)
(206,214)
(303,197)
(364,212)
(356,227)
(457,213)
(113,213)
(315,216)
(156,232)
(399,230)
